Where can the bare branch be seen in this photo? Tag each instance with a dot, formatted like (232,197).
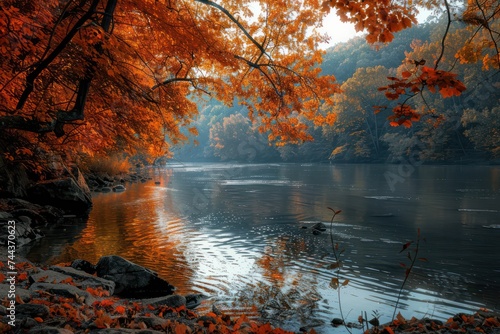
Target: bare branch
(445,34)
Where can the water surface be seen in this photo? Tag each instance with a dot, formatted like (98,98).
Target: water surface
(242,235)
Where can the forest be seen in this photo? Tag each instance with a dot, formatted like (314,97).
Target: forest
(96,95)
(462,129)
(82,81)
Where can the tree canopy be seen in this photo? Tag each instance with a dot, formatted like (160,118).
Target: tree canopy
(95,76)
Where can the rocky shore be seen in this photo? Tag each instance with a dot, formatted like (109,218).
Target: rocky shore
(114,296)
(118,296)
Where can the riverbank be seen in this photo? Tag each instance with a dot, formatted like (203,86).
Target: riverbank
(83,298)
(62,299)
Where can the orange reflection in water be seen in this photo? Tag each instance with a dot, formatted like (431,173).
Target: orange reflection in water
(138,227)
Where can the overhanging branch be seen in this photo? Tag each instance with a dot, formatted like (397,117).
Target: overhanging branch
(232,18)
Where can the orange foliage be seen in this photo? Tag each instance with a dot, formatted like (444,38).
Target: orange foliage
(381,19)
(414,82)
(106,75)
(103,75)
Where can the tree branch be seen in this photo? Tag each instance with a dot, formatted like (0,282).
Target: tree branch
(232,18)
(171,80)
(445,34)
(31,77)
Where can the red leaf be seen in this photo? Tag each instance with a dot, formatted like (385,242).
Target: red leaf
(388,330)
(120,309)
(406,245)
(406,74)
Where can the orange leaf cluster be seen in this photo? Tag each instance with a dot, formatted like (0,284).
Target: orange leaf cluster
(381,19)
(415,82)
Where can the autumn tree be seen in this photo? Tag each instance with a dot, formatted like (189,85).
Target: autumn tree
(230,138)
(90,76)
(357,129)
(97,75)
(475,40)
(482,128)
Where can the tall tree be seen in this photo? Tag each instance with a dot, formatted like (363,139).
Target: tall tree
(358,129)
(94,75)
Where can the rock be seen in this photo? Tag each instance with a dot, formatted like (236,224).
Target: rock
(64,290)
(40,215)
(24,233)
(83,265)
(172,301)
(194,300)
(105,190)
(132,280)
(13,178)
(124,330)
(49,276)
(64,193)
(35,218)
(152,321)
(85,280)
(49,330)
(316,232)
(206,320)
(119,188)
(337,322)
(319,226)
(216,310)
(5,215)
(24,294)
(80,181)
(33,310)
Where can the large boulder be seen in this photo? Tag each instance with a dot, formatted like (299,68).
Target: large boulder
(24,233)
(64,193)
(132,280)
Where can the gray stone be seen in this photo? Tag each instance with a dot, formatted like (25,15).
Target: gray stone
(132,280)
(151,321)
(173,301)
(86,280)
(205,319)
(33,310)
(24,294)
(83,265)
(24,233)
(119,188)
(64,290)
(319,226)
(49,330)
(194,300)
(64,193)
(124,330)
(5,215)
(48,276)
(80,180)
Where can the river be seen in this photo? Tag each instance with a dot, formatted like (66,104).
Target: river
(241,234)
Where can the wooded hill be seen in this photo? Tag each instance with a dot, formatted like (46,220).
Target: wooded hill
(460,129)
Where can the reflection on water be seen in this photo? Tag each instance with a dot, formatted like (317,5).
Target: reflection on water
(235,233)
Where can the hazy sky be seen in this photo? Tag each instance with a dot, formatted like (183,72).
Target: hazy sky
(342,32)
